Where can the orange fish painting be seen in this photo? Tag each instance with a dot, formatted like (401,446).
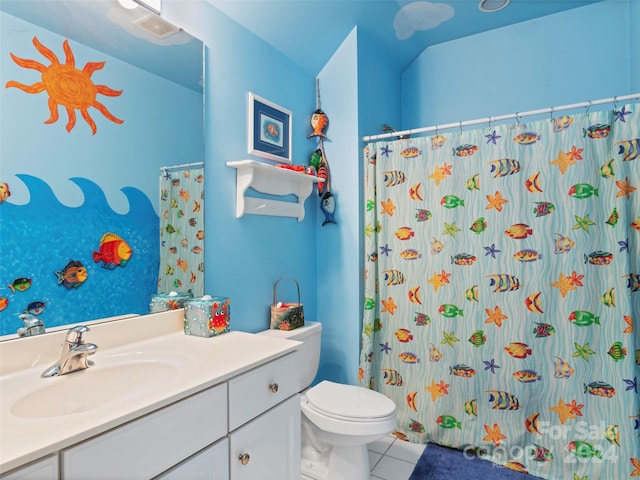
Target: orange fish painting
(113,252)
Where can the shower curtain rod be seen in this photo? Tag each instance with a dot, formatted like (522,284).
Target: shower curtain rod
(489,120)
(184,165)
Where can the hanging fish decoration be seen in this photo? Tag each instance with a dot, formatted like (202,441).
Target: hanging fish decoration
(328,207)
(319,122)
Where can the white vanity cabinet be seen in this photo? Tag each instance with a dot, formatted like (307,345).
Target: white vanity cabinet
(44,469)
(264,420)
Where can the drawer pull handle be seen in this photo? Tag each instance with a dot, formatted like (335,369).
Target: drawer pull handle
(244,458)
(273,387)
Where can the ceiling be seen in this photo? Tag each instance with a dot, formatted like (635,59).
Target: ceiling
(108,27)
(310,31)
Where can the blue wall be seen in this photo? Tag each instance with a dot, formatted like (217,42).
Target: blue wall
(245,256)
(52,220)
(550,61)
(578,55)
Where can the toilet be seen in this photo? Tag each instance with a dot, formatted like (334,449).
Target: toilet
(338,421)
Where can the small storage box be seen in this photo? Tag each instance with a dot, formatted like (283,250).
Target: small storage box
(207,316)
(162,302)
(286,316)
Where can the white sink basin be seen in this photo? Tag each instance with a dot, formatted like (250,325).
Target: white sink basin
(115,378)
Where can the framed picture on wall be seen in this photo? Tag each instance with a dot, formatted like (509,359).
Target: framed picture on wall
(269,130)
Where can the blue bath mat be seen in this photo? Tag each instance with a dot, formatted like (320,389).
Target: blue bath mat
(442,463)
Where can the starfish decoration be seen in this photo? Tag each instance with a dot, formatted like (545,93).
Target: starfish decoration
(385,151)
(575,408)
(575,153)
(491,365)
(578,477)
(563,161)
(444,277)
(389,306)
(624,245)
(564,284)
(443,387)
(437,282)
(583,351)
(384,347)
(563,411)
(631,384)
(438,175)
(435,390)
(583,223)
(493,435)
(360,374)
(496,316)
(620,114)
(385,250)
(629,321)
(492,250)
(167,176)
(388,207)
(625,188)
(368,330)
(492,137)
(450,229)
(636,467)
(576,280)
(449,338)
(495,201)
(446,168)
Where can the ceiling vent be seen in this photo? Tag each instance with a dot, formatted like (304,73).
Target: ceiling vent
(492,5)
(156,26)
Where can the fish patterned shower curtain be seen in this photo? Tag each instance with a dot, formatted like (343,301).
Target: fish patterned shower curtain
(502,291)
(182,231)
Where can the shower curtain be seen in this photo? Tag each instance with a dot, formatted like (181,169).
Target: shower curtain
(182,231)
(502,291)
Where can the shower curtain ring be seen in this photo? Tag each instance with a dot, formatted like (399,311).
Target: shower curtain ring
(551,113)
(460,127)
(517,119)
(489,122)
(615,103)
(587,108)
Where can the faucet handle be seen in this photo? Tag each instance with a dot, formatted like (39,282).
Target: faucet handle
(75,335)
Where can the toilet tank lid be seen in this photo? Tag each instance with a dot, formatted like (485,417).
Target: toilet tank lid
(309,328)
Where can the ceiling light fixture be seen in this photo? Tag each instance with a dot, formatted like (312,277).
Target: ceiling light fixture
(128,4)
(492,5)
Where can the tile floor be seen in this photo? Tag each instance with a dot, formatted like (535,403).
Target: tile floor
(391,459)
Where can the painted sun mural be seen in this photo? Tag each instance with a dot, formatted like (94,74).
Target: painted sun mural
(67,86)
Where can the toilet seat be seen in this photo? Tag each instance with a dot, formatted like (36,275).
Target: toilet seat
(349,403)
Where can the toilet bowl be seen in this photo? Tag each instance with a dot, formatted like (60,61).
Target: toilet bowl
(338,421)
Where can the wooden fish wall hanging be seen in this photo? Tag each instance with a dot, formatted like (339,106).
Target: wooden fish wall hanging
(318,160)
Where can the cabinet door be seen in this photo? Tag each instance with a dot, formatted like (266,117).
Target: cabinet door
(45,469)
(210,464)
(268,448)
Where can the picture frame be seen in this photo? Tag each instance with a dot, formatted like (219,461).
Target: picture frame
(269,130)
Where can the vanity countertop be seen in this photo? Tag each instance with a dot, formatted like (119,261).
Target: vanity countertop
(203,362)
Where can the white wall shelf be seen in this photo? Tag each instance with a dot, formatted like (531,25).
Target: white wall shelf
(270,180)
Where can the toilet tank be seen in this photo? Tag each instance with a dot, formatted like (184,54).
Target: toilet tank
(309,351)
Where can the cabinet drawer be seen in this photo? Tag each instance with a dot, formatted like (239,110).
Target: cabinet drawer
(152,444)
(256,391)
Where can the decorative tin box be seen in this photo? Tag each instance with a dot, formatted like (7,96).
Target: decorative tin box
(162,302)
(207,316)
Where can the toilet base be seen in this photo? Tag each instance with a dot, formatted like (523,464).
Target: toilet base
(341,463)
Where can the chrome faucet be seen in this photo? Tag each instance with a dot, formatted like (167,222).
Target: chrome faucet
(74,353)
